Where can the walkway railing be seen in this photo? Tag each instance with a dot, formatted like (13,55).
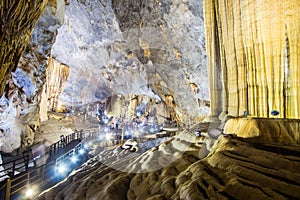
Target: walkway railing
(45,175)
(56,148)
(20,175)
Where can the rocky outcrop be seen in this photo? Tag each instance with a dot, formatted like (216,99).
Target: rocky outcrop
(57,76)
(253,57)
(141,41)
(283,131)
(18,19)
(101,64)
(27,61)
(154,31)
(235,169)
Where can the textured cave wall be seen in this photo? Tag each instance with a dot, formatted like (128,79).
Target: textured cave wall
(125,107)
(101,64)
(22,96)
(168,38)
(253,56)
(57,75)
(18,19)
(135,47)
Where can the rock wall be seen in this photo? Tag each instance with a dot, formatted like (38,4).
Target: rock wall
(282,131)
(57,76)
(129,107)
(18,19)
(27,58)
(168,38)
(141,41)
(101,64)
(253,56)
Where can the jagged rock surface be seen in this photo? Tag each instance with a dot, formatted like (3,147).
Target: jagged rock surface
(141,41)
(283,131)
(24,84)
(154,31)
(18,19)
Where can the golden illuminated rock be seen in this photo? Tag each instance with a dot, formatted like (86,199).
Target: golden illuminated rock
(57,75)
(253,56)
(17,22)
(284,131)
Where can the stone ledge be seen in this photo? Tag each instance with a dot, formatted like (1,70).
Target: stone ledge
(285,131)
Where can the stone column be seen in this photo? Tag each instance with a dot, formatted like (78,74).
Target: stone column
(214,61)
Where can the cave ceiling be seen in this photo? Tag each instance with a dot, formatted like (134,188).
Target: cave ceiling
(134,47)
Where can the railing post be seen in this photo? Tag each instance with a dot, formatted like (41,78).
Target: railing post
(54,148)
(28,178)
(8,188)
(81,133)
(13,169)
(50,152)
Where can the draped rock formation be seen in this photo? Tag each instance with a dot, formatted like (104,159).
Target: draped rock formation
(56,76)
(253,55)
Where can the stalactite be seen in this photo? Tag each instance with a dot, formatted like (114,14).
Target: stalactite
(57,75)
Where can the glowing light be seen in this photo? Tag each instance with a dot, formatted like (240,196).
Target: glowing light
(61,169)
(152,129)
(29,193)
(74,159)
(108,137)
(81,151)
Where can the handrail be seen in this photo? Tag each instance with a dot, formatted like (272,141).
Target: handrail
(13,186)
(14,165)
(9,168)
(68,154)
(57,146)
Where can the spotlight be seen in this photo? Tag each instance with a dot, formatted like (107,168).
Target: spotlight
(81,151)
(29,193)
(74,159)
(152,130)
(108,137)
(61,168)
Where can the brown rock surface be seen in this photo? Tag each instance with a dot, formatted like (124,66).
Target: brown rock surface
(17,22)
(284,131)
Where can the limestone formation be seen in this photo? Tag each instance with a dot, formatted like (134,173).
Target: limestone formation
(283,131)
(27,41)
(235,169)
(253,56)
(18,19)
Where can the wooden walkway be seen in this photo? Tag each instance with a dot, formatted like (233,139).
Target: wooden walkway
(22,172)
(22,175)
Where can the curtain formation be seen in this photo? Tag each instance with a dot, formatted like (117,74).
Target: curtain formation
(253,48)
